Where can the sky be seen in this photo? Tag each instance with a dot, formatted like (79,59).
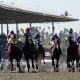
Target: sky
(57,7)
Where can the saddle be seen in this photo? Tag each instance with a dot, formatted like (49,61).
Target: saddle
(11,41)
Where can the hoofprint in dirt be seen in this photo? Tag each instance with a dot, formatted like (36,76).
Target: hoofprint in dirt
(63,75)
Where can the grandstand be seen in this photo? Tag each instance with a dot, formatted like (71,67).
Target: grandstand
(11,13)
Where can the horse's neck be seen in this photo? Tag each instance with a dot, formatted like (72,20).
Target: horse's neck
(9,47)
(56,45)
(71,42)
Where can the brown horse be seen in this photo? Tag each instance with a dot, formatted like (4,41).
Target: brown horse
(55,54)
(14,53)
(39,54)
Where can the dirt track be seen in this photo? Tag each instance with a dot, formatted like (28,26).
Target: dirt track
(46,75)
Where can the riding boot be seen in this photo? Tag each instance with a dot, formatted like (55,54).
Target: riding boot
(7,46)
(51,49)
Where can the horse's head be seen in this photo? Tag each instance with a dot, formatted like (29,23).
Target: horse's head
(35,42)
(70,40)
(12,37)
(56,42)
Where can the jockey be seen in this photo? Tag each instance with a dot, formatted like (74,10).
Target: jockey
(9,38)
(27,37)
(27,33)
(37,37)
(73,35)
(52,38)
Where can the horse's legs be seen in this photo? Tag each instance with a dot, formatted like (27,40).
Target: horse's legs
(28,66)
(18,65)
(32,62)
(39,63)
(36,63)
(36,59)
(52,61)
(11,64)
(68,65)
(77,60)
(73,68)
(57,65)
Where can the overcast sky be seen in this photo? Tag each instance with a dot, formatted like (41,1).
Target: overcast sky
(53,6)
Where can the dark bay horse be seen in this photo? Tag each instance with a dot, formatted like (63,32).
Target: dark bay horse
(14,53)
(71,54)
(78,56)
(28,52)
(39,54)
(55,54)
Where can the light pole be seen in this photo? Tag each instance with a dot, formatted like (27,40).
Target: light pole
(38,4)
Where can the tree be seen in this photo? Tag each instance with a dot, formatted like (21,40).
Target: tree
(39,28)
(48,27)
(36,27)
(43,29)
(42,33)
(60,34)
(46,33)
(22,30)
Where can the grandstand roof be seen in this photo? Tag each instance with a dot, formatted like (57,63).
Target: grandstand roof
(10,13)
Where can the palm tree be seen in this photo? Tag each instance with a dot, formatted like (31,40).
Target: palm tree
(22,30)
(39,28)
(46,33)
(43,29)
(48,27)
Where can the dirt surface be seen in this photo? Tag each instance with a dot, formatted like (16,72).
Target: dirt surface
(47,74)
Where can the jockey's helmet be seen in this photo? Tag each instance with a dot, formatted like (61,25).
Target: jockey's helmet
(37,35)
(27,29)
(12,32)
(70,30)
(55,34)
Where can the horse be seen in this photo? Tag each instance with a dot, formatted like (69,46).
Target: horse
(14,53)
(39,54)
(28,52)
(71,54)
(78,55)
(55,54)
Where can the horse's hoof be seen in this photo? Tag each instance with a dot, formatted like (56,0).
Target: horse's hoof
(52,64)
(69,70)
(44,62)
(73,70)
(12,71)
(36,67)
(54,70)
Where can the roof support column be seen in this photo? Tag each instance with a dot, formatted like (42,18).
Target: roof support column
(53,27)
(2,28)
(30,25)
(7,29)
(17,28)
